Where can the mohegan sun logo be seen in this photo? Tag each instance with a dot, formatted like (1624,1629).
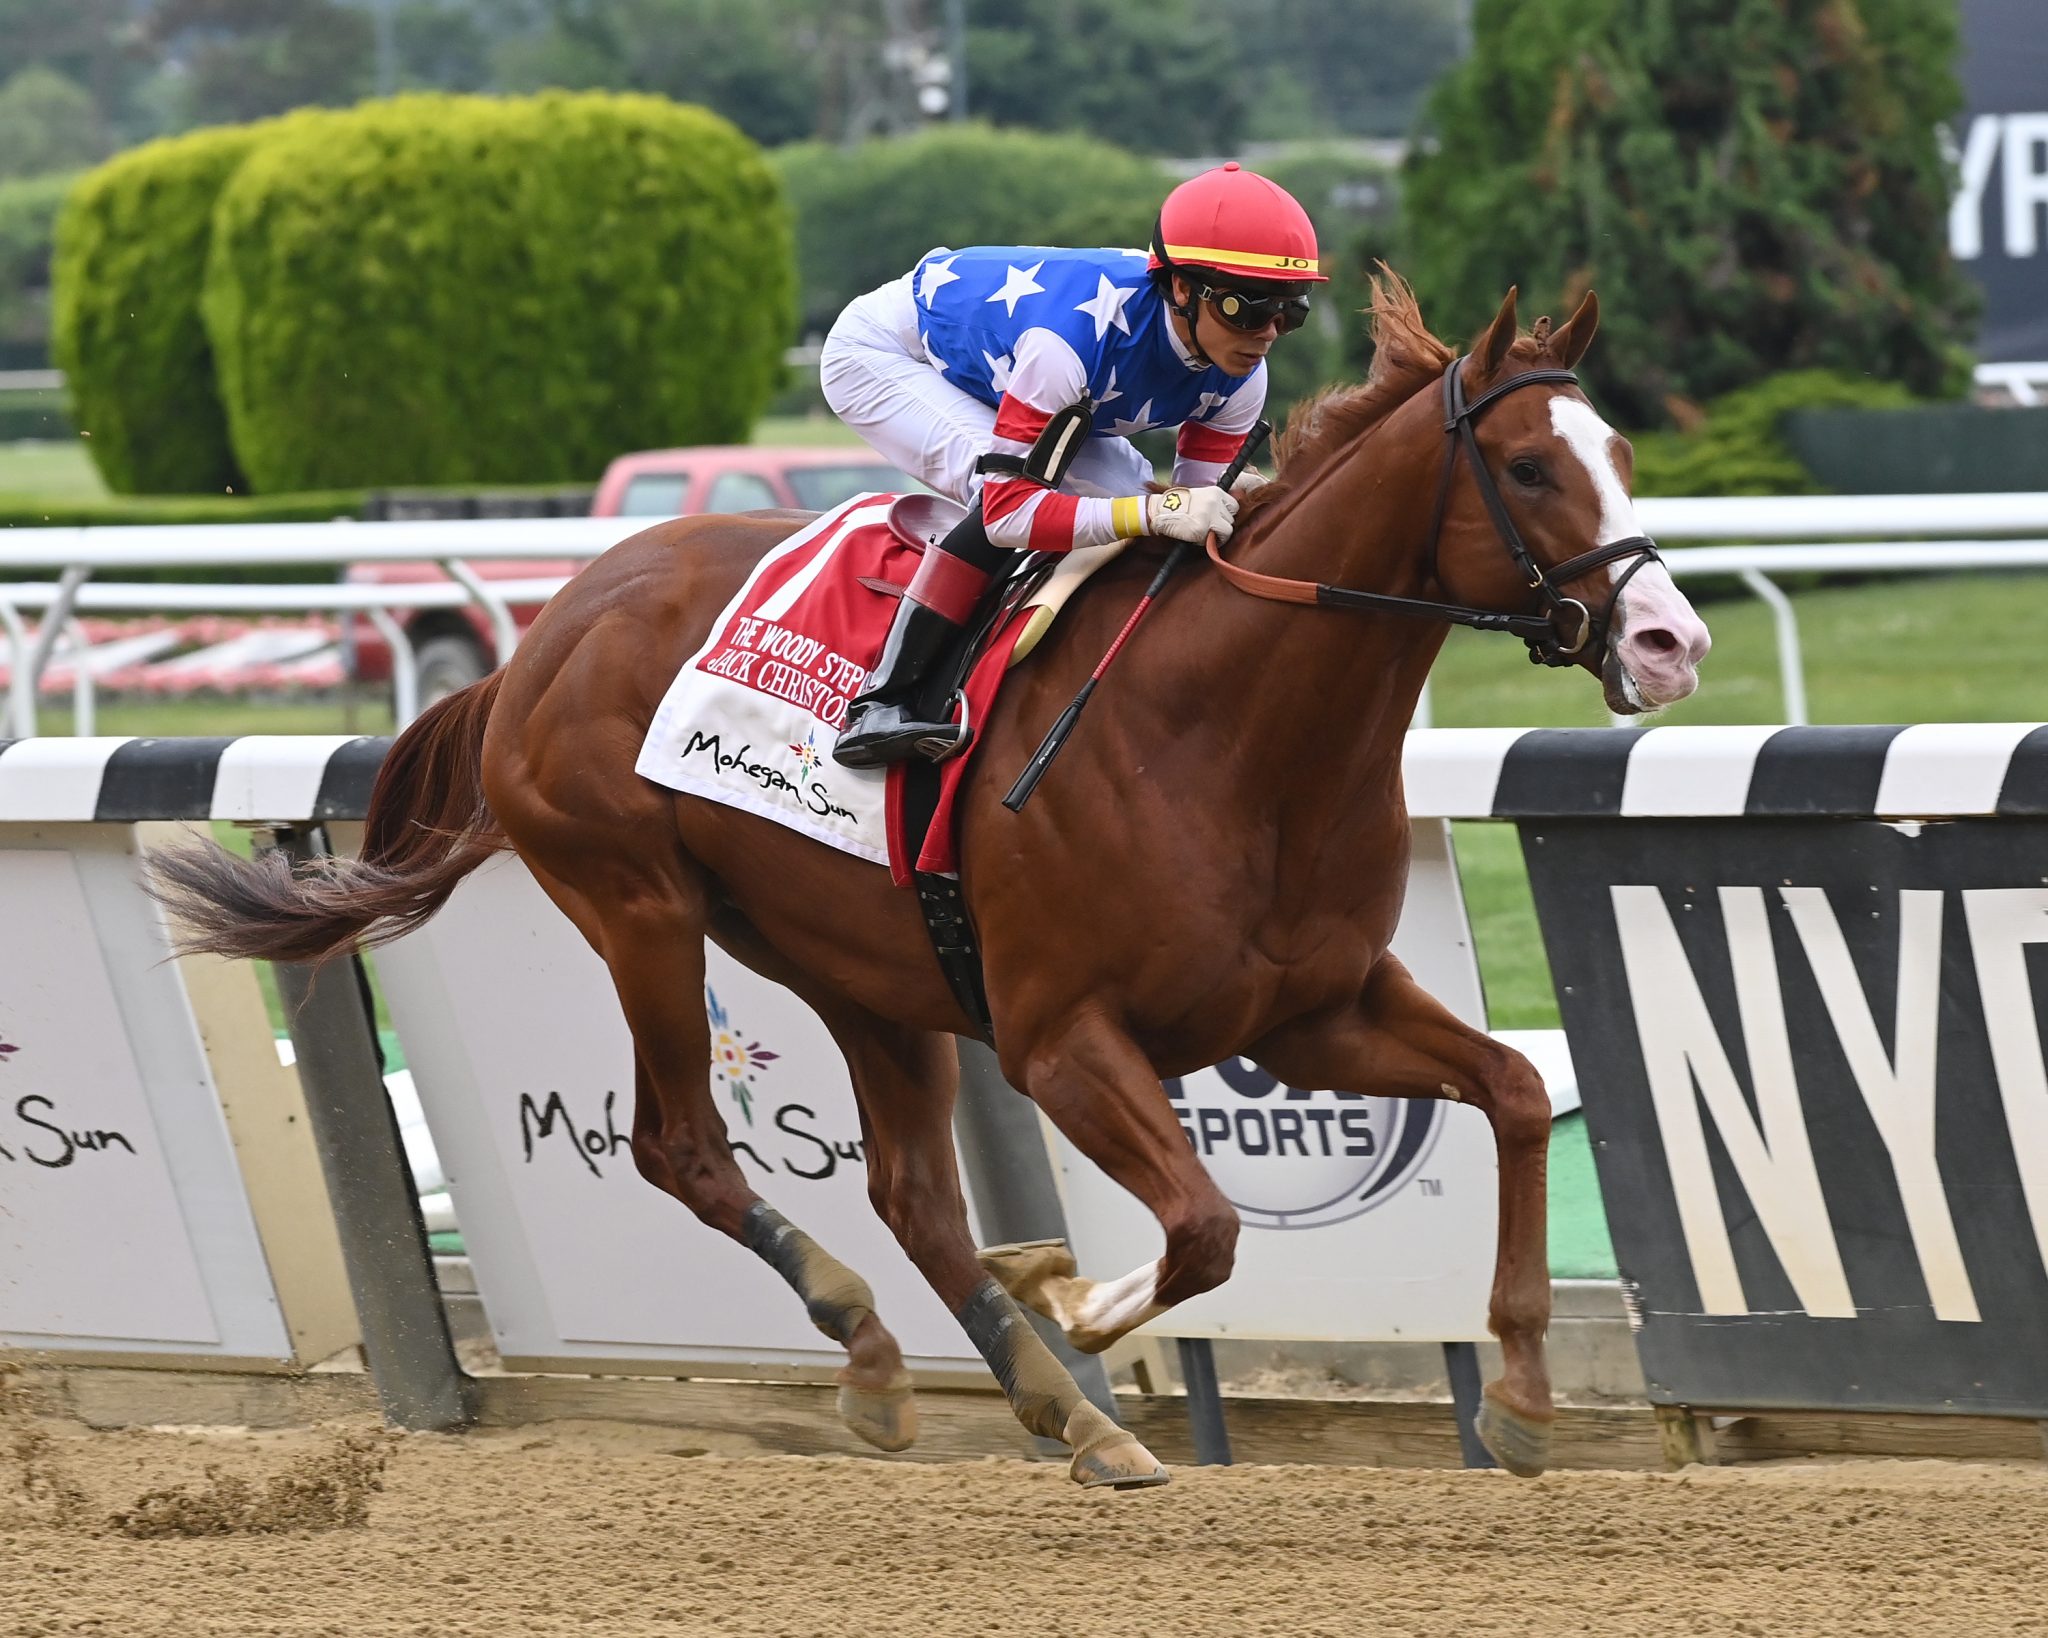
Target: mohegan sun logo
(1293,1159)
(807,759)
(733,1060)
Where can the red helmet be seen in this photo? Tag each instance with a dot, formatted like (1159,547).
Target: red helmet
(1234,221)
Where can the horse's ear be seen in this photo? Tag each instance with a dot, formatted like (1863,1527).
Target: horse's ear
(1569,341)
(1493,347)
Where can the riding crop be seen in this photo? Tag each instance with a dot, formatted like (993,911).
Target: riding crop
(1042,758)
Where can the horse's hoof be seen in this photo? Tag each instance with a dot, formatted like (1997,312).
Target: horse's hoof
(1520,1443)
(885,1417)
(1023,1268)
(1118,1464)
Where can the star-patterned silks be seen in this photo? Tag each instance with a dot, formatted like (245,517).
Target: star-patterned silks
(1100,329)
(1141,422)
(935,277)
(1106,306)
(1022,282)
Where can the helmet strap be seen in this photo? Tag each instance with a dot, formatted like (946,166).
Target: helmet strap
(1193,305)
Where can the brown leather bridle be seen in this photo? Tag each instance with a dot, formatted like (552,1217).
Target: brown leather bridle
(1557,635)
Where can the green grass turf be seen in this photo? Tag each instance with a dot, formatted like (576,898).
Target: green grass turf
(59,471)
(805,429)
(1580,1247)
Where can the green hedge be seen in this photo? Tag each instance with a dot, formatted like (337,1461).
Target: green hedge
(439,290)
(28,225)
(1739,447)
(42,511)
(864,215)
(131,253)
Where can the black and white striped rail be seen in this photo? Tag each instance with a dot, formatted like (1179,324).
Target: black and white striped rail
(1931,770)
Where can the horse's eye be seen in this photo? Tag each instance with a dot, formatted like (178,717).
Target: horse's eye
(1526,471)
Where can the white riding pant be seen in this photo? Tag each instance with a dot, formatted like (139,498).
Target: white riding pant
(879,381)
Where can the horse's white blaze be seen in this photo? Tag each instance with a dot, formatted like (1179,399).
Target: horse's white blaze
(1653,673)
(1117,1305)
(1592,440)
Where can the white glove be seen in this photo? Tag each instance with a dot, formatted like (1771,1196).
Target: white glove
(1191,514)
(1247,481)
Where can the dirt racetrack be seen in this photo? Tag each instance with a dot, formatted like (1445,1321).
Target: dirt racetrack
(601,1529)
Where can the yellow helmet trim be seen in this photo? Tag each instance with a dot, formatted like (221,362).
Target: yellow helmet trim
(1243,258)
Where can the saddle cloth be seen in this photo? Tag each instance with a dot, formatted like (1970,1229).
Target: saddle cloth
(752,717)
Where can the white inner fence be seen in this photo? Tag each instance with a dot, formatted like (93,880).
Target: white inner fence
(1762,536)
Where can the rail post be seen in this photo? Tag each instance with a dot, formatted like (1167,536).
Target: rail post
(406,1342)
(1461,1365)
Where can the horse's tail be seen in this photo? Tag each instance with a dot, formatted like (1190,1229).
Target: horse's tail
(428,826)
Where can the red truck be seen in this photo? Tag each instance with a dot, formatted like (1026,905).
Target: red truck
(454,647)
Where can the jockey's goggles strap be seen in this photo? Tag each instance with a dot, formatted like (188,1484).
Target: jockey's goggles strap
(1557,636)
(1242,310)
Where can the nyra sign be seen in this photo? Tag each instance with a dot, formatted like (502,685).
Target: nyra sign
(2000,148)
(1812,1063)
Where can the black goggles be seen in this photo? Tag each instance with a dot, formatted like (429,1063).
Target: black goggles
(1242,310)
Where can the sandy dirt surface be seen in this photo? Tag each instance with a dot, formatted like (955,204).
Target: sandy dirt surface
(599,1529)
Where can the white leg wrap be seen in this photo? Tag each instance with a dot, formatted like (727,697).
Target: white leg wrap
(1113,1307)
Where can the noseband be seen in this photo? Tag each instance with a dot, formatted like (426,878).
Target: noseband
(1564,629)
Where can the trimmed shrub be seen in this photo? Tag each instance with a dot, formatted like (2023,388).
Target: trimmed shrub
(125,327)
(1739,446)
(445,290)
(864,215)
(28,228)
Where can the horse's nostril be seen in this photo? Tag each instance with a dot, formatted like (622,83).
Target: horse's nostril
(1657,640)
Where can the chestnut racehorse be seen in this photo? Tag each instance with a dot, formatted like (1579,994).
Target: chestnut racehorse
(1214,868)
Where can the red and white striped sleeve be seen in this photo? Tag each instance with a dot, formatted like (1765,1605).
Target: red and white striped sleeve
(1205,448)
(1046,375)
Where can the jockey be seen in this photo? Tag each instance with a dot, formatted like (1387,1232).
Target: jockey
(1021,371)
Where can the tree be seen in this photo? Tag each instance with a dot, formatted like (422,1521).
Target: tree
(1160,77)
(754,62)
(1352,67)
(101,45)
(245,59)
(48,123)
(1752,185)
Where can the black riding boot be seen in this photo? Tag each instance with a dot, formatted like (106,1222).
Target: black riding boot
(883,724)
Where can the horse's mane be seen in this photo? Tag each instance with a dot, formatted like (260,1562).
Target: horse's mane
(1406,358)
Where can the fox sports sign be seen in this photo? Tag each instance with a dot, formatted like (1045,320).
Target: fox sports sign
(1287,1158)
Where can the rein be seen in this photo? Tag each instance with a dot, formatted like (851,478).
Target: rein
(1560,632)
